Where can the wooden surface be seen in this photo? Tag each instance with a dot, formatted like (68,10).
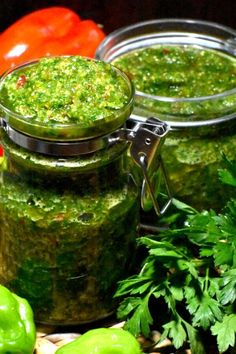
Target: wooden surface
(117,13)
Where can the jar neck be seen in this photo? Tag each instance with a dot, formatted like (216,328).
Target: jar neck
(104,168)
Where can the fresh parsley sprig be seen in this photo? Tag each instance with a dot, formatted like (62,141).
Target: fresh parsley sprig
(187,283)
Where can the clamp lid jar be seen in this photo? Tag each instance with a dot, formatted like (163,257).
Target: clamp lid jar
(184,72)
(69,195)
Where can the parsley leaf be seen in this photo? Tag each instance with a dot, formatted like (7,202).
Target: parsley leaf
(228,175)
(205,311)
(228,287)
(175,330)
(196,344)
(136,285)
(225,331)
(141,318)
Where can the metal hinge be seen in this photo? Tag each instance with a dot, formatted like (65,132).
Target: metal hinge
(146,139)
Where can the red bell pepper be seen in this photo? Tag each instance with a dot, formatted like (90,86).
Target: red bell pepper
(49,31)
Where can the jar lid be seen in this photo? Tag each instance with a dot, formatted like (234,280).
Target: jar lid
(65,98)
(209,102)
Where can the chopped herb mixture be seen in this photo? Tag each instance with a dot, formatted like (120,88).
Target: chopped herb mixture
(70,226)
(65,90)
(68,223)
(191,156)
(179,71)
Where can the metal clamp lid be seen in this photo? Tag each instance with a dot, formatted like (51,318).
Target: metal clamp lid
(55,148)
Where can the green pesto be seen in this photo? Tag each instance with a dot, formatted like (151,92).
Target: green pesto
(192,156)
(179,71)
(67,225)
(65,90)
(193,162)
(71,231)
(183,74)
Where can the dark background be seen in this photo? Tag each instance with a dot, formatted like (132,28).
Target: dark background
(117,13)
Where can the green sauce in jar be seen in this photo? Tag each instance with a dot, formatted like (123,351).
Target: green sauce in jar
(177,77)
(193,161)
(66,98)
(68,224)
(179,71)
(191,87)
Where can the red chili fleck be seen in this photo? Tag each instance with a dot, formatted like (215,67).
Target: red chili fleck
(166,51)
(59,217)
(21,81)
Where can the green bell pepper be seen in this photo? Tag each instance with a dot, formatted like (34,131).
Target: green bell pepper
(17,328)
(103,341)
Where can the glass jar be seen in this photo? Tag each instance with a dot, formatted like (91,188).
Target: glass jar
(69,210)
(68,229)
(202,129)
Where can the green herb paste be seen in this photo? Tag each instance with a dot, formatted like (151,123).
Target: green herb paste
(68,231)
(193,163)
(67,225)
(176,76)
(179,71)
(65,90)
(192,156)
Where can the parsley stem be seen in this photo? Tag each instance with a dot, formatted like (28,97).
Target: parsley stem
(206,282)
